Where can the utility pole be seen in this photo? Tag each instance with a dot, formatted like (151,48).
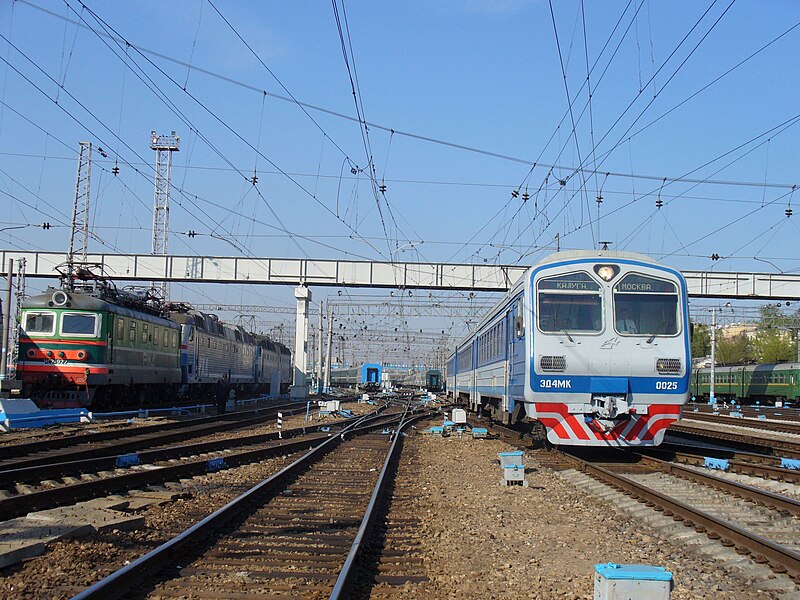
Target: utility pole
(6,322)
(164,145)
(79,231)
(319,351)
(328,351)
(711,398)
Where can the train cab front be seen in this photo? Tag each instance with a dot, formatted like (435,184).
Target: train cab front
(609,354)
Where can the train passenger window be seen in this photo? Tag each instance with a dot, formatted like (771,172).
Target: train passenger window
(120,330)
(570,302)
(645,305)
(82,324)
(40,323)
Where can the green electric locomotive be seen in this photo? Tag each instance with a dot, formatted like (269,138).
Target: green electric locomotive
(108,347)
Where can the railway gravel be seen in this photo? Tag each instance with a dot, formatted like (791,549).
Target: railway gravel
(483,540)
(476,537)
(70,565)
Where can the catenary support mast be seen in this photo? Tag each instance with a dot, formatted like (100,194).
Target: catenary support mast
(164,145)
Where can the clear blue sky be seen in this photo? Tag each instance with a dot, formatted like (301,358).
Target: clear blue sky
(478,73)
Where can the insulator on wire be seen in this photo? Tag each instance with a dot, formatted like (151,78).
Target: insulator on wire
(789,212)
(659,202)
(514,193)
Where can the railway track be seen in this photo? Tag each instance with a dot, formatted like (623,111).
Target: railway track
(117,441)
(300,530)
(770,412)
(731,515)
(743,441)
(768,535)
(773,425)
(743,463)
(34,488)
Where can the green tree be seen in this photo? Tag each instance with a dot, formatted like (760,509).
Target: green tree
(771,345)
(701,341)
(733,350)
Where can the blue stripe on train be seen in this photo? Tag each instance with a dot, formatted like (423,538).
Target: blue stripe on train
(610,385)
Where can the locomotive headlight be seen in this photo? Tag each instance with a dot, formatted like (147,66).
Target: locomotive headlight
(606,272)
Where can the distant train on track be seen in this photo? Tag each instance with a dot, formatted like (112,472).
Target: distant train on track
(592,344)
(434,382)
(366,377)
(749,383)
(102,347)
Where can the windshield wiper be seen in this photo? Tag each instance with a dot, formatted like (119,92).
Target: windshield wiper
(655,332)
(568,335)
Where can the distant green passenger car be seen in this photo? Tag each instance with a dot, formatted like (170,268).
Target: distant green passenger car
(763,383)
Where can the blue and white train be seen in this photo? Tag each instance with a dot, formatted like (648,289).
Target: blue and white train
(592,344)
(366,377)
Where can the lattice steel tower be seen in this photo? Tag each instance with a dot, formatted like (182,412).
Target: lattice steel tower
(164,145)
(79,232)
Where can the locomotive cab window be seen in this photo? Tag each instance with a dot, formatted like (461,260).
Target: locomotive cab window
(570,302)
(82,324)
(40,323)
(645,305)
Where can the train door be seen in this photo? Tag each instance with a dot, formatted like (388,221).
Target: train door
(111,336)
(515,348)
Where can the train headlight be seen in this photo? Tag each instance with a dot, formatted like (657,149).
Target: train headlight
(60,298)
(606,272)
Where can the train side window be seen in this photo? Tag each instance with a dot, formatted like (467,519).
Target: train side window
(79,324)
(519,321)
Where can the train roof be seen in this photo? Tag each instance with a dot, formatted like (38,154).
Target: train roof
(81,301)
(567,255)
(787,366)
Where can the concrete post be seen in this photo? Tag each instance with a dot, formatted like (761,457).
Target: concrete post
(299,388)
(6,322)
(328,352)
(319,351)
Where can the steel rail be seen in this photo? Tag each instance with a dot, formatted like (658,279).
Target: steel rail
(764,424)
(202,424)
(745,463)
(741,490)
(779,558)
(348,573)
(40,472)
(762,445)
(118,583)
(21,504)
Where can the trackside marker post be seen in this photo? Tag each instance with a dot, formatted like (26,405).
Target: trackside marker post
(280,425)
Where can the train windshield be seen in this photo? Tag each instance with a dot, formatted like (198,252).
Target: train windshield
(645,306)
(42,323)
(570,303)
(78,324)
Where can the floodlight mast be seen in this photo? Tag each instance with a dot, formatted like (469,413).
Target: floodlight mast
(164,146)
